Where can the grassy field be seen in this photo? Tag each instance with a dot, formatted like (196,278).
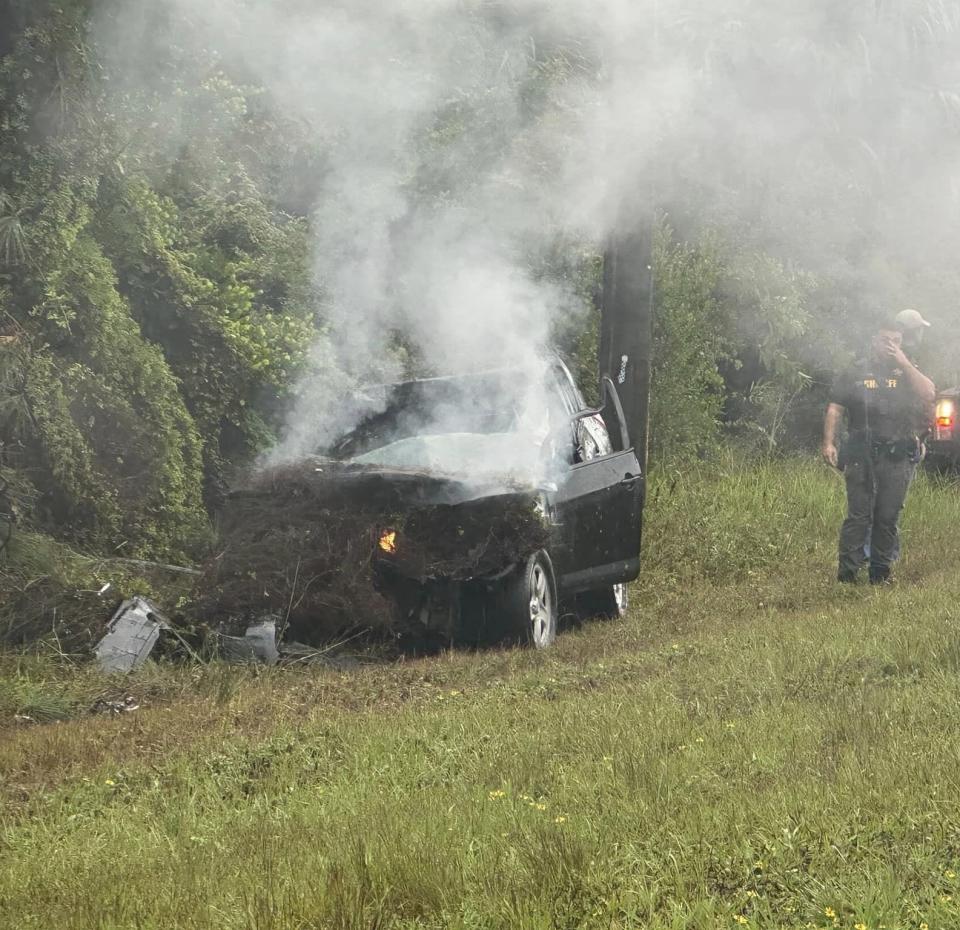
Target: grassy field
(755,746)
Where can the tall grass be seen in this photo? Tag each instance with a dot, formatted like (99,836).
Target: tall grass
(754,746)
(736,519)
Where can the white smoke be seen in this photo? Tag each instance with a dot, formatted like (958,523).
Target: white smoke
(460,137)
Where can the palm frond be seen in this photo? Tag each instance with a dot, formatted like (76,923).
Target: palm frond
(13,248)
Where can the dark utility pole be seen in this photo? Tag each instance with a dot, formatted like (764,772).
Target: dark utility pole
(626,328)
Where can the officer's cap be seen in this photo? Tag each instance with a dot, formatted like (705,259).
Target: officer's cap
(908,320)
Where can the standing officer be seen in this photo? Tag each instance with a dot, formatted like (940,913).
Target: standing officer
(889,406)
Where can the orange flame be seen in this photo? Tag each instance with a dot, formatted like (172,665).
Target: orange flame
(388,541)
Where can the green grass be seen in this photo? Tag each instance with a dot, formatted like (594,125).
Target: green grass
(755,746)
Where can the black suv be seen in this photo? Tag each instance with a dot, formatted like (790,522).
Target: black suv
(483,443)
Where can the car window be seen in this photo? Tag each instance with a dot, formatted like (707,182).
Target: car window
(571,396)
(486,403)
(470,454)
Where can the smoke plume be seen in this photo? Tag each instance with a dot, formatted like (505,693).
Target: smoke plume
(460,140)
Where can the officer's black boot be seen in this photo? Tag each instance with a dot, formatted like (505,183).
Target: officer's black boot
(880,575)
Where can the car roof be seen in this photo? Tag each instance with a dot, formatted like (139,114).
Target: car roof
(552,360)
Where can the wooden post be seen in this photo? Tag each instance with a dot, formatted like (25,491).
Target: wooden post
(626,328)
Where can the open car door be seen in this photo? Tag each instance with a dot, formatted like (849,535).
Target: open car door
(599,505)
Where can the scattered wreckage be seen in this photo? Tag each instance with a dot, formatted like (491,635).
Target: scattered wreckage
(464,508)
(136,628)
(131,635)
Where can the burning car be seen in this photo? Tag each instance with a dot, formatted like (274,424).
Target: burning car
(466,507)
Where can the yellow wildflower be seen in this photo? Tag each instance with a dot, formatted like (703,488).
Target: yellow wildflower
(109,781)
(860,926)
(924,926)
(497,795)
(830,913)
(946,898)
(740,919)
(950,874)
(541,807)
(560,820)
(752,894)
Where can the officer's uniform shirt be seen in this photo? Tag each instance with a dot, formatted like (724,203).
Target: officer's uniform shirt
(879,399)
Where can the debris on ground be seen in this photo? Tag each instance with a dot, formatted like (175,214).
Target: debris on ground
(131,635)
(125,705)
(54,598)
(258,644)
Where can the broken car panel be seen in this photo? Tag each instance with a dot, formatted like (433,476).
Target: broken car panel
(131,635)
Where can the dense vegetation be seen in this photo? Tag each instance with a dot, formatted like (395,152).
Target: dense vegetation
(154,304)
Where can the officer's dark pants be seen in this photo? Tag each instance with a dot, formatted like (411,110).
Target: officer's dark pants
(876,489)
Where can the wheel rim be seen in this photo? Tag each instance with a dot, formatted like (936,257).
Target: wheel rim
(541,606)
(620,597)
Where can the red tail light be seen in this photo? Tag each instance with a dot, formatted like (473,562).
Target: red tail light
(945,417)
(945,414)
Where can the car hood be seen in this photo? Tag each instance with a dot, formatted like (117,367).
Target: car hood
(389,488)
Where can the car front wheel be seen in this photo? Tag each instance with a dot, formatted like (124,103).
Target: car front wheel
(529,602)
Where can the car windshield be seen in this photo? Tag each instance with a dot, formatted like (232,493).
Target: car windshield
(491,423)
(460,453)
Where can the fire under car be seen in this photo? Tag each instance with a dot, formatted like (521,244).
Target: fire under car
(471,508)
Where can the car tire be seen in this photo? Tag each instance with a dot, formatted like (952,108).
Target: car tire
(609,603)
(528,603)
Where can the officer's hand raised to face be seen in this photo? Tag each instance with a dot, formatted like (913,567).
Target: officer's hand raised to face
(888,347)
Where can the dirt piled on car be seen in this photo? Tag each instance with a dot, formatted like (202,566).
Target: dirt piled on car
(315,544)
